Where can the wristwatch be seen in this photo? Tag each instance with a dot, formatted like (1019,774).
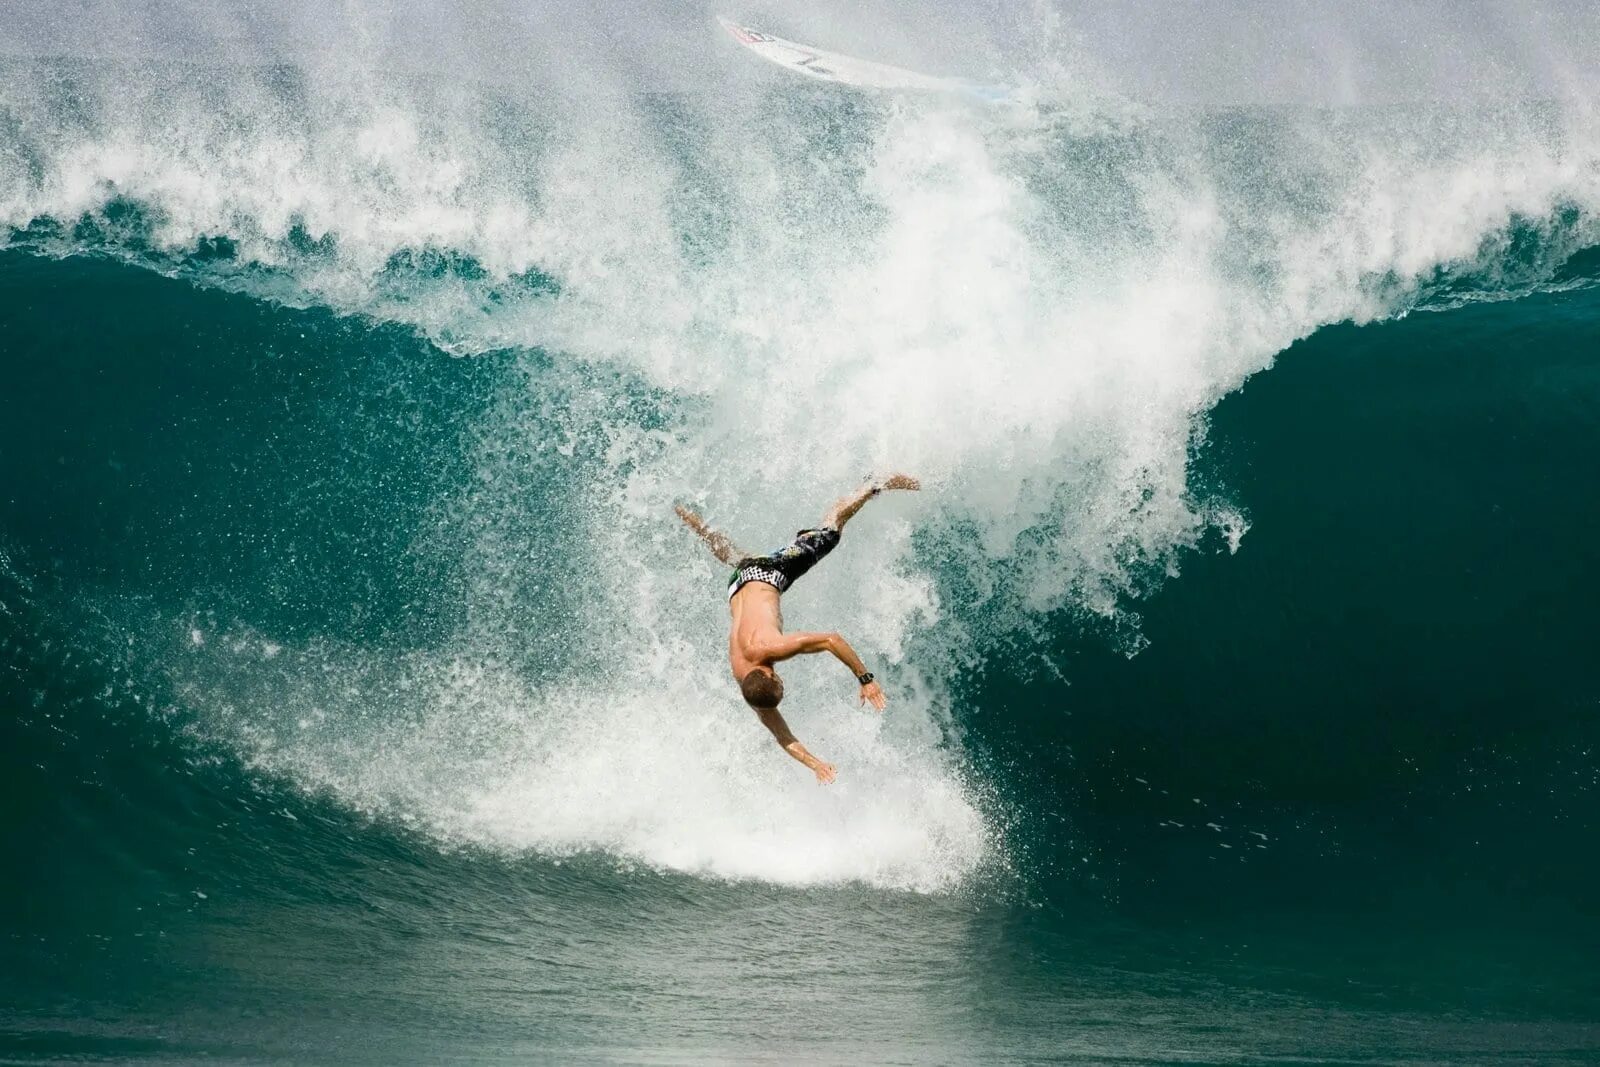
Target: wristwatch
(865,678)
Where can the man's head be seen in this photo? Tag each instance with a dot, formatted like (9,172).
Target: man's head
(762,688)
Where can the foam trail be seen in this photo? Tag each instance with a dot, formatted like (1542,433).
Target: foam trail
(465,748)
(751,302)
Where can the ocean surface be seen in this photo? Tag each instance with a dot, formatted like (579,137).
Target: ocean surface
(361,700)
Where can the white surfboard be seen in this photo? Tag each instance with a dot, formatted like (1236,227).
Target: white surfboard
(848,70)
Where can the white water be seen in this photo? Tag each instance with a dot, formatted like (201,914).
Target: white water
(1031,309)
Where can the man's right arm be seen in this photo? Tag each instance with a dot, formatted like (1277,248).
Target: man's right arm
(773,721)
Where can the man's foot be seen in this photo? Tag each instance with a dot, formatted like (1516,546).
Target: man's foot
(845,507)
(725,550)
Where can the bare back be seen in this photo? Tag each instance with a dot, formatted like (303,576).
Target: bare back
(757,619)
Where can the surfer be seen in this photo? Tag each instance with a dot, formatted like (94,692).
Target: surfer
(756,639)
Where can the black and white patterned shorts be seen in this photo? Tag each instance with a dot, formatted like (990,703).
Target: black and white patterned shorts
(779,569)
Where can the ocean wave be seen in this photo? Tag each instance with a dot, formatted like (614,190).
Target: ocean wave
(748,307)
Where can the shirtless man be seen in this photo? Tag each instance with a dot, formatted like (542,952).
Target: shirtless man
(757,641)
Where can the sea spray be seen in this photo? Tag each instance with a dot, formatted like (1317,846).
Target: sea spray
(749,302)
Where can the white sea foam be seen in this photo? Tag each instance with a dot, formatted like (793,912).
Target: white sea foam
(1032,309)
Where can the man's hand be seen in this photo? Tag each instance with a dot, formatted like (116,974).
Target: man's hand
(900,481)
(773,721)
(872,693)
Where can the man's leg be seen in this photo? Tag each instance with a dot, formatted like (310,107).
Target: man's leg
(846,506)
(716,540)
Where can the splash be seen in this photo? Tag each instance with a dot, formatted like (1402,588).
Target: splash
(748,300)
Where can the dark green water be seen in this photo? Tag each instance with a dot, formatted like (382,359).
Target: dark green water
(1385,705)
(360,702)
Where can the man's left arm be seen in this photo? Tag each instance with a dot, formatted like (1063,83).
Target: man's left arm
(790,645)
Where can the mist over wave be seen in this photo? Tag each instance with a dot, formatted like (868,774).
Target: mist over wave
(747,297)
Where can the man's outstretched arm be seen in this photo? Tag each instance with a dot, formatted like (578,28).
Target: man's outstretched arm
(773,721)
(716,540)
(787,646)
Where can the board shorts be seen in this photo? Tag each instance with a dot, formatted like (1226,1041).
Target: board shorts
(781,568)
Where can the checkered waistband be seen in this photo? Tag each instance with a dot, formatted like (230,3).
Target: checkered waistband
(746,575)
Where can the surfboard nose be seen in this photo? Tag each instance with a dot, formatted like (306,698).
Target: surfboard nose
(742,34)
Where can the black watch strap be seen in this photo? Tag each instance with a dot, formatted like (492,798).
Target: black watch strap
(865,678)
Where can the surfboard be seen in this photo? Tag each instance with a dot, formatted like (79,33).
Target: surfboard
(841,69)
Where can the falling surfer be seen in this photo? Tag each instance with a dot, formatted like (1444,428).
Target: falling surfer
(756,639)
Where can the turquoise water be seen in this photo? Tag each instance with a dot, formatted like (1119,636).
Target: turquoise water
(365,704)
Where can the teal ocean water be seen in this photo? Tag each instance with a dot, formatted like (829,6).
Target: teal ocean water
(361,700)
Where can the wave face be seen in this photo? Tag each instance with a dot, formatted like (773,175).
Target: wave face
(454,596)
(747,307)
(364,701)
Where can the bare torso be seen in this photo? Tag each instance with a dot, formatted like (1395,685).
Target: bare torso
(756,638)
(757,619)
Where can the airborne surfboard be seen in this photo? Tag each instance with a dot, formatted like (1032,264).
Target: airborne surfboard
(849,70)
